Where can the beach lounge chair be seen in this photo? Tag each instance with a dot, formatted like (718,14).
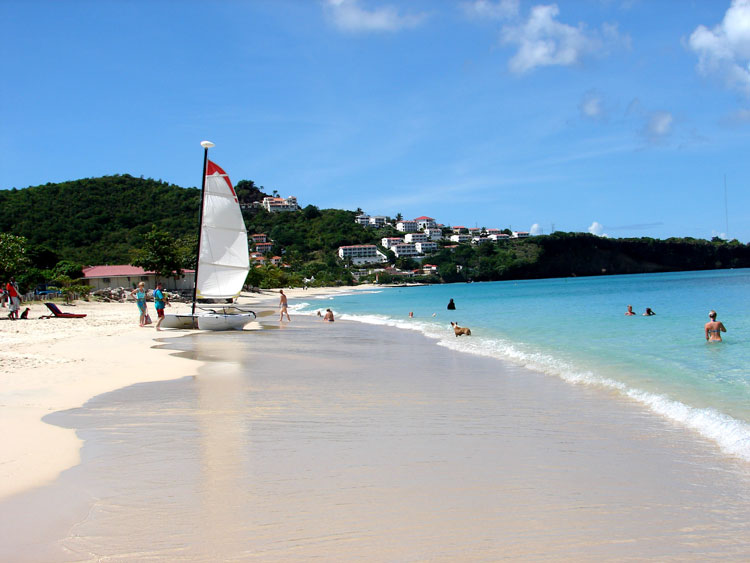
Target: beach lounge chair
(57,313)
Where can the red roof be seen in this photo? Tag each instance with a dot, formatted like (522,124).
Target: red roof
(122,270)
(424,218)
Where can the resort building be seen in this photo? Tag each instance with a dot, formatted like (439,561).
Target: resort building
(125,275)
(480,240)
(520,234)
(425,222)
(277,204)
(434,233)
(493,231)
(362,254)
(388,242)
(363,219)
(429,269)
(498,237)
(416,237)
(426,247)
(475,231)
(459,229)
(263,247)
(259,238)
(407,226)
(405,249)
(378,221)
(460,238)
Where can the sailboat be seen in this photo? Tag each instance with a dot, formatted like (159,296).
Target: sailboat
(223,257)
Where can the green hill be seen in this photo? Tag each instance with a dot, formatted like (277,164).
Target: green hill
(104,220)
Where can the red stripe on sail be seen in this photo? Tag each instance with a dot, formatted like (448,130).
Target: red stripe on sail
(212,168)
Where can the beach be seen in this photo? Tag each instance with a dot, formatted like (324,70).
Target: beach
(337,441)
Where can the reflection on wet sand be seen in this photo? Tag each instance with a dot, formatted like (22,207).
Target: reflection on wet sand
(348,441)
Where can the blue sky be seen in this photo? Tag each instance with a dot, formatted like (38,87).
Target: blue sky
(616,117)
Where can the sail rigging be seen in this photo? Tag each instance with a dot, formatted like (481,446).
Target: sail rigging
(223,260)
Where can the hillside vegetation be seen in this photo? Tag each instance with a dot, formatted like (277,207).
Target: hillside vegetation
(106,221)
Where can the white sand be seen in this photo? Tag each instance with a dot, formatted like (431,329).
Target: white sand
(57,364)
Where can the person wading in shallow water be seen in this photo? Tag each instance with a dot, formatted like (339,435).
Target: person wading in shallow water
(714,328)
(451,305)
(283,305)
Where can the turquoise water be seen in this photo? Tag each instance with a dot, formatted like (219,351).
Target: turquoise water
(576,329)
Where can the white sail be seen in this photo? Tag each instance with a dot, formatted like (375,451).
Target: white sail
(224,259)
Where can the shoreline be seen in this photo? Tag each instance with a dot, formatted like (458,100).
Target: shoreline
(287,448)
(58,364)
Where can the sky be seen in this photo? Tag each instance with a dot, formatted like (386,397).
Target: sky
(624,118)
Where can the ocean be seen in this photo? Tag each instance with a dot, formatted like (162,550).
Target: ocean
(576,329)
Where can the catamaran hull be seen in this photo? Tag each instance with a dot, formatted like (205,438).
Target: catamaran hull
(224,322)
(178,321)
(208,321)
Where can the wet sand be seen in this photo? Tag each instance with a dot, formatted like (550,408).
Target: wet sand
(346,441)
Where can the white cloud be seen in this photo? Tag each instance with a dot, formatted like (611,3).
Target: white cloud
(724,51)
(656,125)
(485,9)
(592,105)
(597,229)
(348,15)
(544,41)
(536,229)
(659,125)
(720,235)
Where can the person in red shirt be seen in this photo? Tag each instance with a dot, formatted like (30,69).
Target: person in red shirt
(14,300)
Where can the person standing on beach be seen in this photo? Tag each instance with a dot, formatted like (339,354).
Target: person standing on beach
(140,300)
(451,305)
(283,306)
(14,300)
(160,300)
(714,328)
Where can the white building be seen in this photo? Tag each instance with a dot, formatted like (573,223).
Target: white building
(520,234)
(416,237)
(425,222)
(276,204)
(363,219)
(388,242)
(434,233)
(405,249)
(362,254)
(461,238)
(426,247)
(377,221)
(407,226)
(480,240)
(493,231)
(498,237)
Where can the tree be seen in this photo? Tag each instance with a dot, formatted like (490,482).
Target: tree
(399,217)
(68,269)
(12,255)
(161,254)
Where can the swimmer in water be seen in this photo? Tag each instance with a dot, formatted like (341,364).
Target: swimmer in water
(714,328)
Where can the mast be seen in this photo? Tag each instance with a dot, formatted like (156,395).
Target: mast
(206,145)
